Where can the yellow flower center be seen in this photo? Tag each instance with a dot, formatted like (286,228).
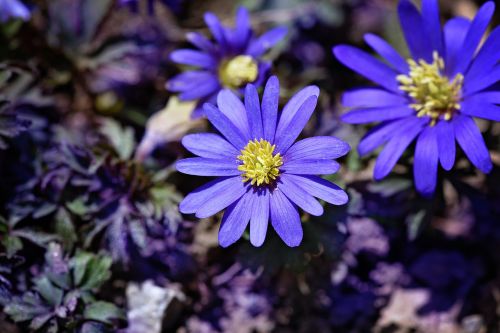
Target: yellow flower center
(259,165)
(238,71)
(434,94)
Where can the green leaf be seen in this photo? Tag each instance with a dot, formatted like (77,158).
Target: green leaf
(48,291)
(103,311)
(90,271)
(37,237)
(12,244)
(122,139)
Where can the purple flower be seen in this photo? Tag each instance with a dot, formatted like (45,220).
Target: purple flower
(431,97)
(134,4)
(262,173)
(13,9)
(231,62)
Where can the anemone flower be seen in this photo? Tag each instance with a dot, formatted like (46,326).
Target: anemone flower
(232,61)
(262,174)
(10,9)
(431,97)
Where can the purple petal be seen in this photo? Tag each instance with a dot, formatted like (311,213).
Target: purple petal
(232,107)
(188,80)
(363,116)
(321,189)
(368,66)
(193,58)
(200,166)
(414,31)
(285,219)
(319,147)
(216,28)
(204,88)
(310,167)
(252,105)
(387,52)
(478,107)
(432,22)
(211,191)
(225,126)
(475,34)
(455,31)
(470,139)
(235,220)
(487,57)
(395,148)
(201,42)
(259,218)
(299,197)
(270,101)
(260,45)
(371,98)
(381,134)
(209,145)
(479,83)
(426,162)
(446,144)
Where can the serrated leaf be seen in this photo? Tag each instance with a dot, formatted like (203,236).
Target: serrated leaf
(38,237)
(103,311)
(48,291)
(90,271)
(121,138)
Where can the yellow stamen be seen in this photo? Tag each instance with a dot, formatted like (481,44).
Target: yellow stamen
(259,165)
(434,94)
(238,71)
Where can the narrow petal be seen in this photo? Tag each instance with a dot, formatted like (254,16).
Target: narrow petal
(481,108)
(414,31)
(200,166)
(225,126)
(204,88)
(259,218)
(201,42)
(209,145)
(470,139)
(310,167)
(426,162)
(208,192)
(285,219)
(193,58)
(260,45)
(432,22)
(232,107)
(371,98)
(446,144)
(252,105)
(487,57)
(299,197)
(216,28)
(386,51)
(363,116)
(455,31)
(395,148)
(270,101)
(368,66)
(216,204)
(286,135)
(321,189)
(480,83)
(188,80)
(242,31)
(381,134)
(319,147)
(474,35)
(235,220)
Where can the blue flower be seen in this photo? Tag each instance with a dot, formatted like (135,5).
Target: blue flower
(231,62)
(134,4)
(262,173)
(431,97)
(10,9)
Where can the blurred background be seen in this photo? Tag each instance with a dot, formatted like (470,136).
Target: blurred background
(91,237)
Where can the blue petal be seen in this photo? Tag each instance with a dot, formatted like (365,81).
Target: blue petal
(368,66)
(446,144)
(387,52)
(363,116)
(477,107)
(321,189)
(270,101)
(188,80)
(426,162)
(252,105)
(285,219)
(201,42)
(235,220)
(487,57)
(216,28)
(455,31)
(299,197)
(475,34)
(232,107)
(209,145)
(470,139)
(204,88)
(201,166)
(415,32)
(225,126)
(371,98)
(260,45)
(319,147)
(259,218)
(479,83)
(381,134)
(193,58)
(310,167)
(432,22)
